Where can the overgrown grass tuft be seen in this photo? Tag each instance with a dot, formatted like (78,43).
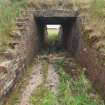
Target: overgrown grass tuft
(43,96)
(8,13)
(72,91)
(75,91)
(98,8)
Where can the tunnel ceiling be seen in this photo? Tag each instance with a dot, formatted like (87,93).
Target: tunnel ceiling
(56,13)
(55,16)
(55,20)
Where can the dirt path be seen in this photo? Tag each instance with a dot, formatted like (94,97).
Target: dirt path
(44,77)
(34,81)
(52,79)
(52,82)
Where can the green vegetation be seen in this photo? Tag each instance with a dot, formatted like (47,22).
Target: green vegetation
(43,96)
(75,91)
(2,49)
(98,8)
(53,34)
(9,10)
(52,40)
(72,91)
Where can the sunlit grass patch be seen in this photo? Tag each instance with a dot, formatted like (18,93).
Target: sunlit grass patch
(76,91)
(8,13)
(43,96)
(2,49)
(98,8)
(53,34)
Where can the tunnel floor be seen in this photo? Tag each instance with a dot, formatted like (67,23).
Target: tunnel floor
(54,78)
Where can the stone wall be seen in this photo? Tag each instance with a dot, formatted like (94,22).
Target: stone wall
(25,46)
(74,39)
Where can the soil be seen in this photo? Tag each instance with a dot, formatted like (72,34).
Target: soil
(34,81)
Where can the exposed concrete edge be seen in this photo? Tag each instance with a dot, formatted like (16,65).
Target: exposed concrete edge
(54,13)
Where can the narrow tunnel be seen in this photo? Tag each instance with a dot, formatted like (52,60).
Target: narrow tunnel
(69,32)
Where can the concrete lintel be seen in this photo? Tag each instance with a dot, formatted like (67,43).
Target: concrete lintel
(54,13)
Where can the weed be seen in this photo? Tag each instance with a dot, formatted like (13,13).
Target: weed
(98,8)
(2,50)
(43,96)
(73,91)
(8,13)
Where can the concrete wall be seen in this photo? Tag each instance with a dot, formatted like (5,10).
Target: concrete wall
(74,39)
(26,47)
(71,36)
(29,44)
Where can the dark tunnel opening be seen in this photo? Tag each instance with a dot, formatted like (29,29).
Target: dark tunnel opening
(52,37)
(69,32)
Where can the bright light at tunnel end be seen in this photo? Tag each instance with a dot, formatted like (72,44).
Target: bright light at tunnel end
(53,26)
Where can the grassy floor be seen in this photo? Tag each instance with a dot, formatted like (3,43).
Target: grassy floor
(72,91)
(98,8)
(43,95)
(75,91)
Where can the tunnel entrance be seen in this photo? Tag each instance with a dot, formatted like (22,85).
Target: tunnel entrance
(68,35)
(52,38)
(53,32)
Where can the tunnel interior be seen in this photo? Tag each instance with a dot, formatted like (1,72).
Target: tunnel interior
(52,35)
(68,35)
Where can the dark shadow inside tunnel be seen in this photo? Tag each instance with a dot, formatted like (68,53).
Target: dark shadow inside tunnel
(69,32)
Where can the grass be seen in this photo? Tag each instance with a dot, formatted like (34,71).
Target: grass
(98,8)
(53,41)
(72,91)
(43,96)
(53,34)
(8,13)
(75,91)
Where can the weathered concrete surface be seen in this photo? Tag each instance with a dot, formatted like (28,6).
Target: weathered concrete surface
(27,47)
(74,39)
(56,13)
